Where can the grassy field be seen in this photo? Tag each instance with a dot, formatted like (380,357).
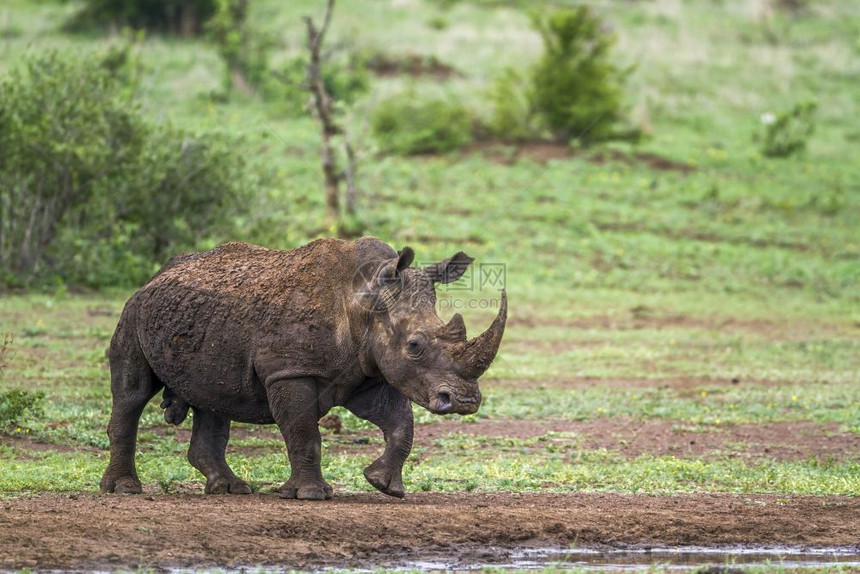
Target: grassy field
(705,292)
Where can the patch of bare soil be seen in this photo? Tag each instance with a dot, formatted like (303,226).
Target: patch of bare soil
(88,531)
(641,317)
(631,438)
(636,320)
(24,445)
(508,153)
(699,235)
(653,161)
(414,65)
(686,385)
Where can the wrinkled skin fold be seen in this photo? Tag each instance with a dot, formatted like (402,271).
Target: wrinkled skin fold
(243,333)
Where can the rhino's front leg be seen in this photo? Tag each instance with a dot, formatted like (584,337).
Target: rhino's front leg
(295,406)
(387,408)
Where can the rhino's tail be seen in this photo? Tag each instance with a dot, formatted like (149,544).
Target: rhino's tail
(175,409)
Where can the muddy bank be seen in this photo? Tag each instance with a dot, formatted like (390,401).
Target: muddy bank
(82,531)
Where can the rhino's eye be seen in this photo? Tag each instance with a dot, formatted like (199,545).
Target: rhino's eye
(415,346)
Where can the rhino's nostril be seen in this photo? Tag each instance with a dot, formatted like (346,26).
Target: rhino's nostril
(444,400)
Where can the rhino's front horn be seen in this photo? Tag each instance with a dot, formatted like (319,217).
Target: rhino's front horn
(475,355)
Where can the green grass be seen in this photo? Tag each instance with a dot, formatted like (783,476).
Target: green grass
(452,470)
(60,349)
(734,267)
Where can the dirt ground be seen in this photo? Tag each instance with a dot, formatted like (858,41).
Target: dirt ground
(86,531)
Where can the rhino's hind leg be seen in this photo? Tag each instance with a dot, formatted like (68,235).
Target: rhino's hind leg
(133,384)
(209,436)
(386,407)
(295,406)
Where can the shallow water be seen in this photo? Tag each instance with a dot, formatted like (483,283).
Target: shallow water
(670,558)
(675,558)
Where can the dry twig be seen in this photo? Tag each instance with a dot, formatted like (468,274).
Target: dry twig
(323,107)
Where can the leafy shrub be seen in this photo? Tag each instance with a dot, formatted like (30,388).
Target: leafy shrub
(786,133)
(182,191)
(575,90)
(184,17)
(64,129)
(438,23)
(347,79)
(18,406)
(406,125)
(512,117)
(91,191)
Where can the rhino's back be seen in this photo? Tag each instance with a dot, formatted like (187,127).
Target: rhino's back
(204,317)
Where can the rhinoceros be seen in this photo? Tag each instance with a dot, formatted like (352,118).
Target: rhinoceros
(244,333)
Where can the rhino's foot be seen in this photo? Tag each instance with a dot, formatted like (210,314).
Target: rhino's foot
(224,485)
(121,485)
(385,479)
(306,491)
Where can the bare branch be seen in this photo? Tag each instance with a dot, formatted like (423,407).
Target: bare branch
(329,10)
(349,175)
(324,110)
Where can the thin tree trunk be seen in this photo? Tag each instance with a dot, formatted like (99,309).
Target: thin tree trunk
(332,180)
(12,249)
(240,83)
(3,200)
(351,189)
(323,107)
(26,253)
(188,19)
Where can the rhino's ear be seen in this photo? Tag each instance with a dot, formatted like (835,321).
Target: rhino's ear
(390,272)
(449,270)
(404,258)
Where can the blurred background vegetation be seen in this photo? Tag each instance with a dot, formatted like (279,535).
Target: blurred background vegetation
(653,146)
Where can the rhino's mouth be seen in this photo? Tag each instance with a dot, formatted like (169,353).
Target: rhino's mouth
(446,402)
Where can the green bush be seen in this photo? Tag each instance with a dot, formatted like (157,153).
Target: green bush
(575,89)
(512,116)
(346,79)
(90,191)
(184,17)
(786,133)
(65,128)
(407,125)
(183,192)
(19,406)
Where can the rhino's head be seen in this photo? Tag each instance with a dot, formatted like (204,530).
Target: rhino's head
(429,361)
